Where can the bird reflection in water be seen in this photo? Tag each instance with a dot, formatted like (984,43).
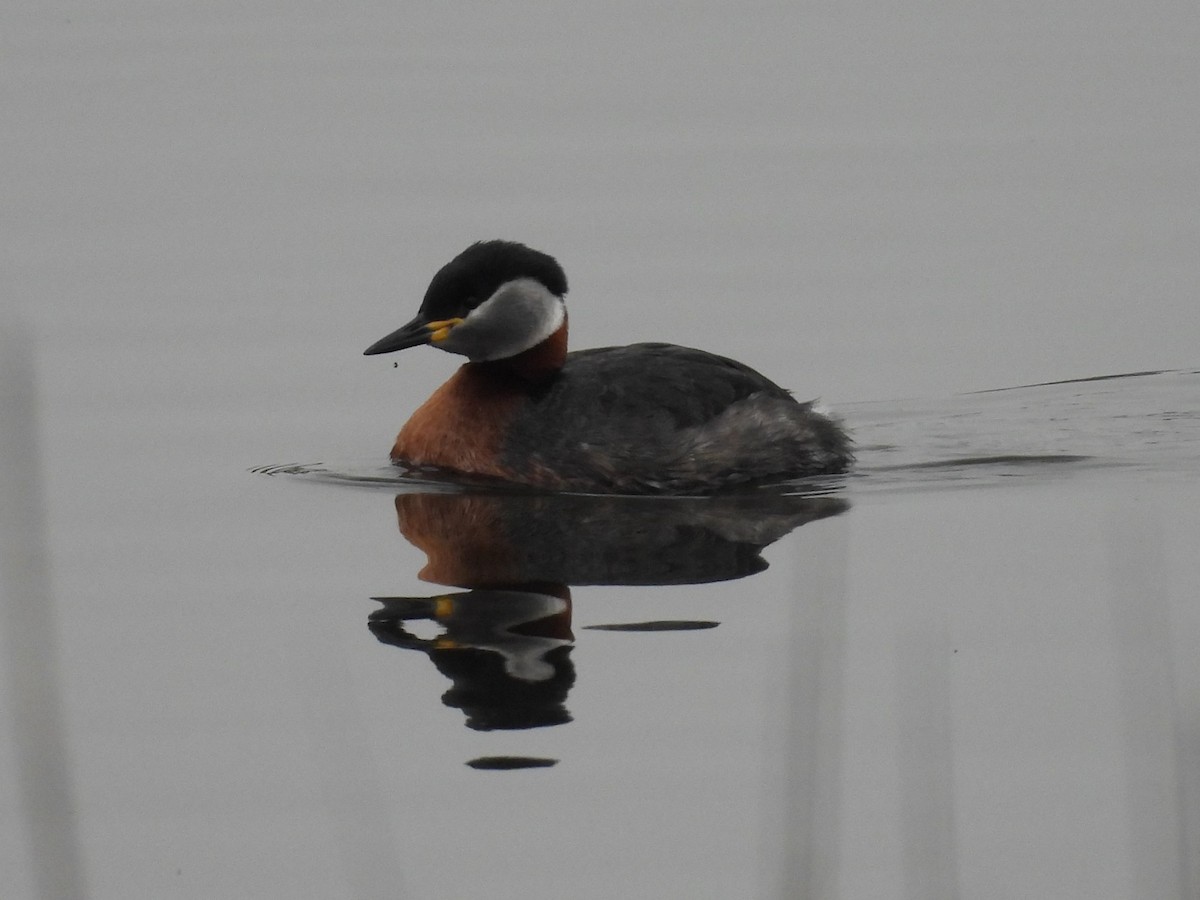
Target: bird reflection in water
(506,641)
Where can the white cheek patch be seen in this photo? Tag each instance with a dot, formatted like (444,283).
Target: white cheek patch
(519,315)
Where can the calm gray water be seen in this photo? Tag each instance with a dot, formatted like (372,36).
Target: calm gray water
(967,671)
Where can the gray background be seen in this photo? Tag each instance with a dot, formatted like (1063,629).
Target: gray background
(868,200)
(975,683)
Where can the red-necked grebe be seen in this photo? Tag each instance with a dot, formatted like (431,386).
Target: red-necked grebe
(646,418)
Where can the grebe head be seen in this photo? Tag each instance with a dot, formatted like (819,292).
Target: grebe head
(494,300)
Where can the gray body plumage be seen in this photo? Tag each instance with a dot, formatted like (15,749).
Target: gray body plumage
(664,418)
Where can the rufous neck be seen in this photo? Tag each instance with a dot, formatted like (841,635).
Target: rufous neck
(541,361)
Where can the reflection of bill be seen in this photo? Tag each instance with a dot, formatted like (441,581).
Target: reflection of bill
(507,652)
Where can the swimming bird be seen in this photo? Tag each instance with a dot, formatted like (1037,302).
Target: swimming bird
(639,419)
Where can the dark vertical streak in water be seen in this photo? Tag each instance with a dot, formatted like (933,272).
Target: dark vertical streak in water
(1159,734)
(28,644)
(813,707)
(926,756)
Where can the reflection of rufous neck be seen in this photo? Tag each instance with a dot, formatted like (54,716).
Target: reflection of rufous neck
(460,537)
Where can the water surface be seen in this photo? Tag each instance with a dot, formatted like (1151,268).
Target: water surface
(968,667)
